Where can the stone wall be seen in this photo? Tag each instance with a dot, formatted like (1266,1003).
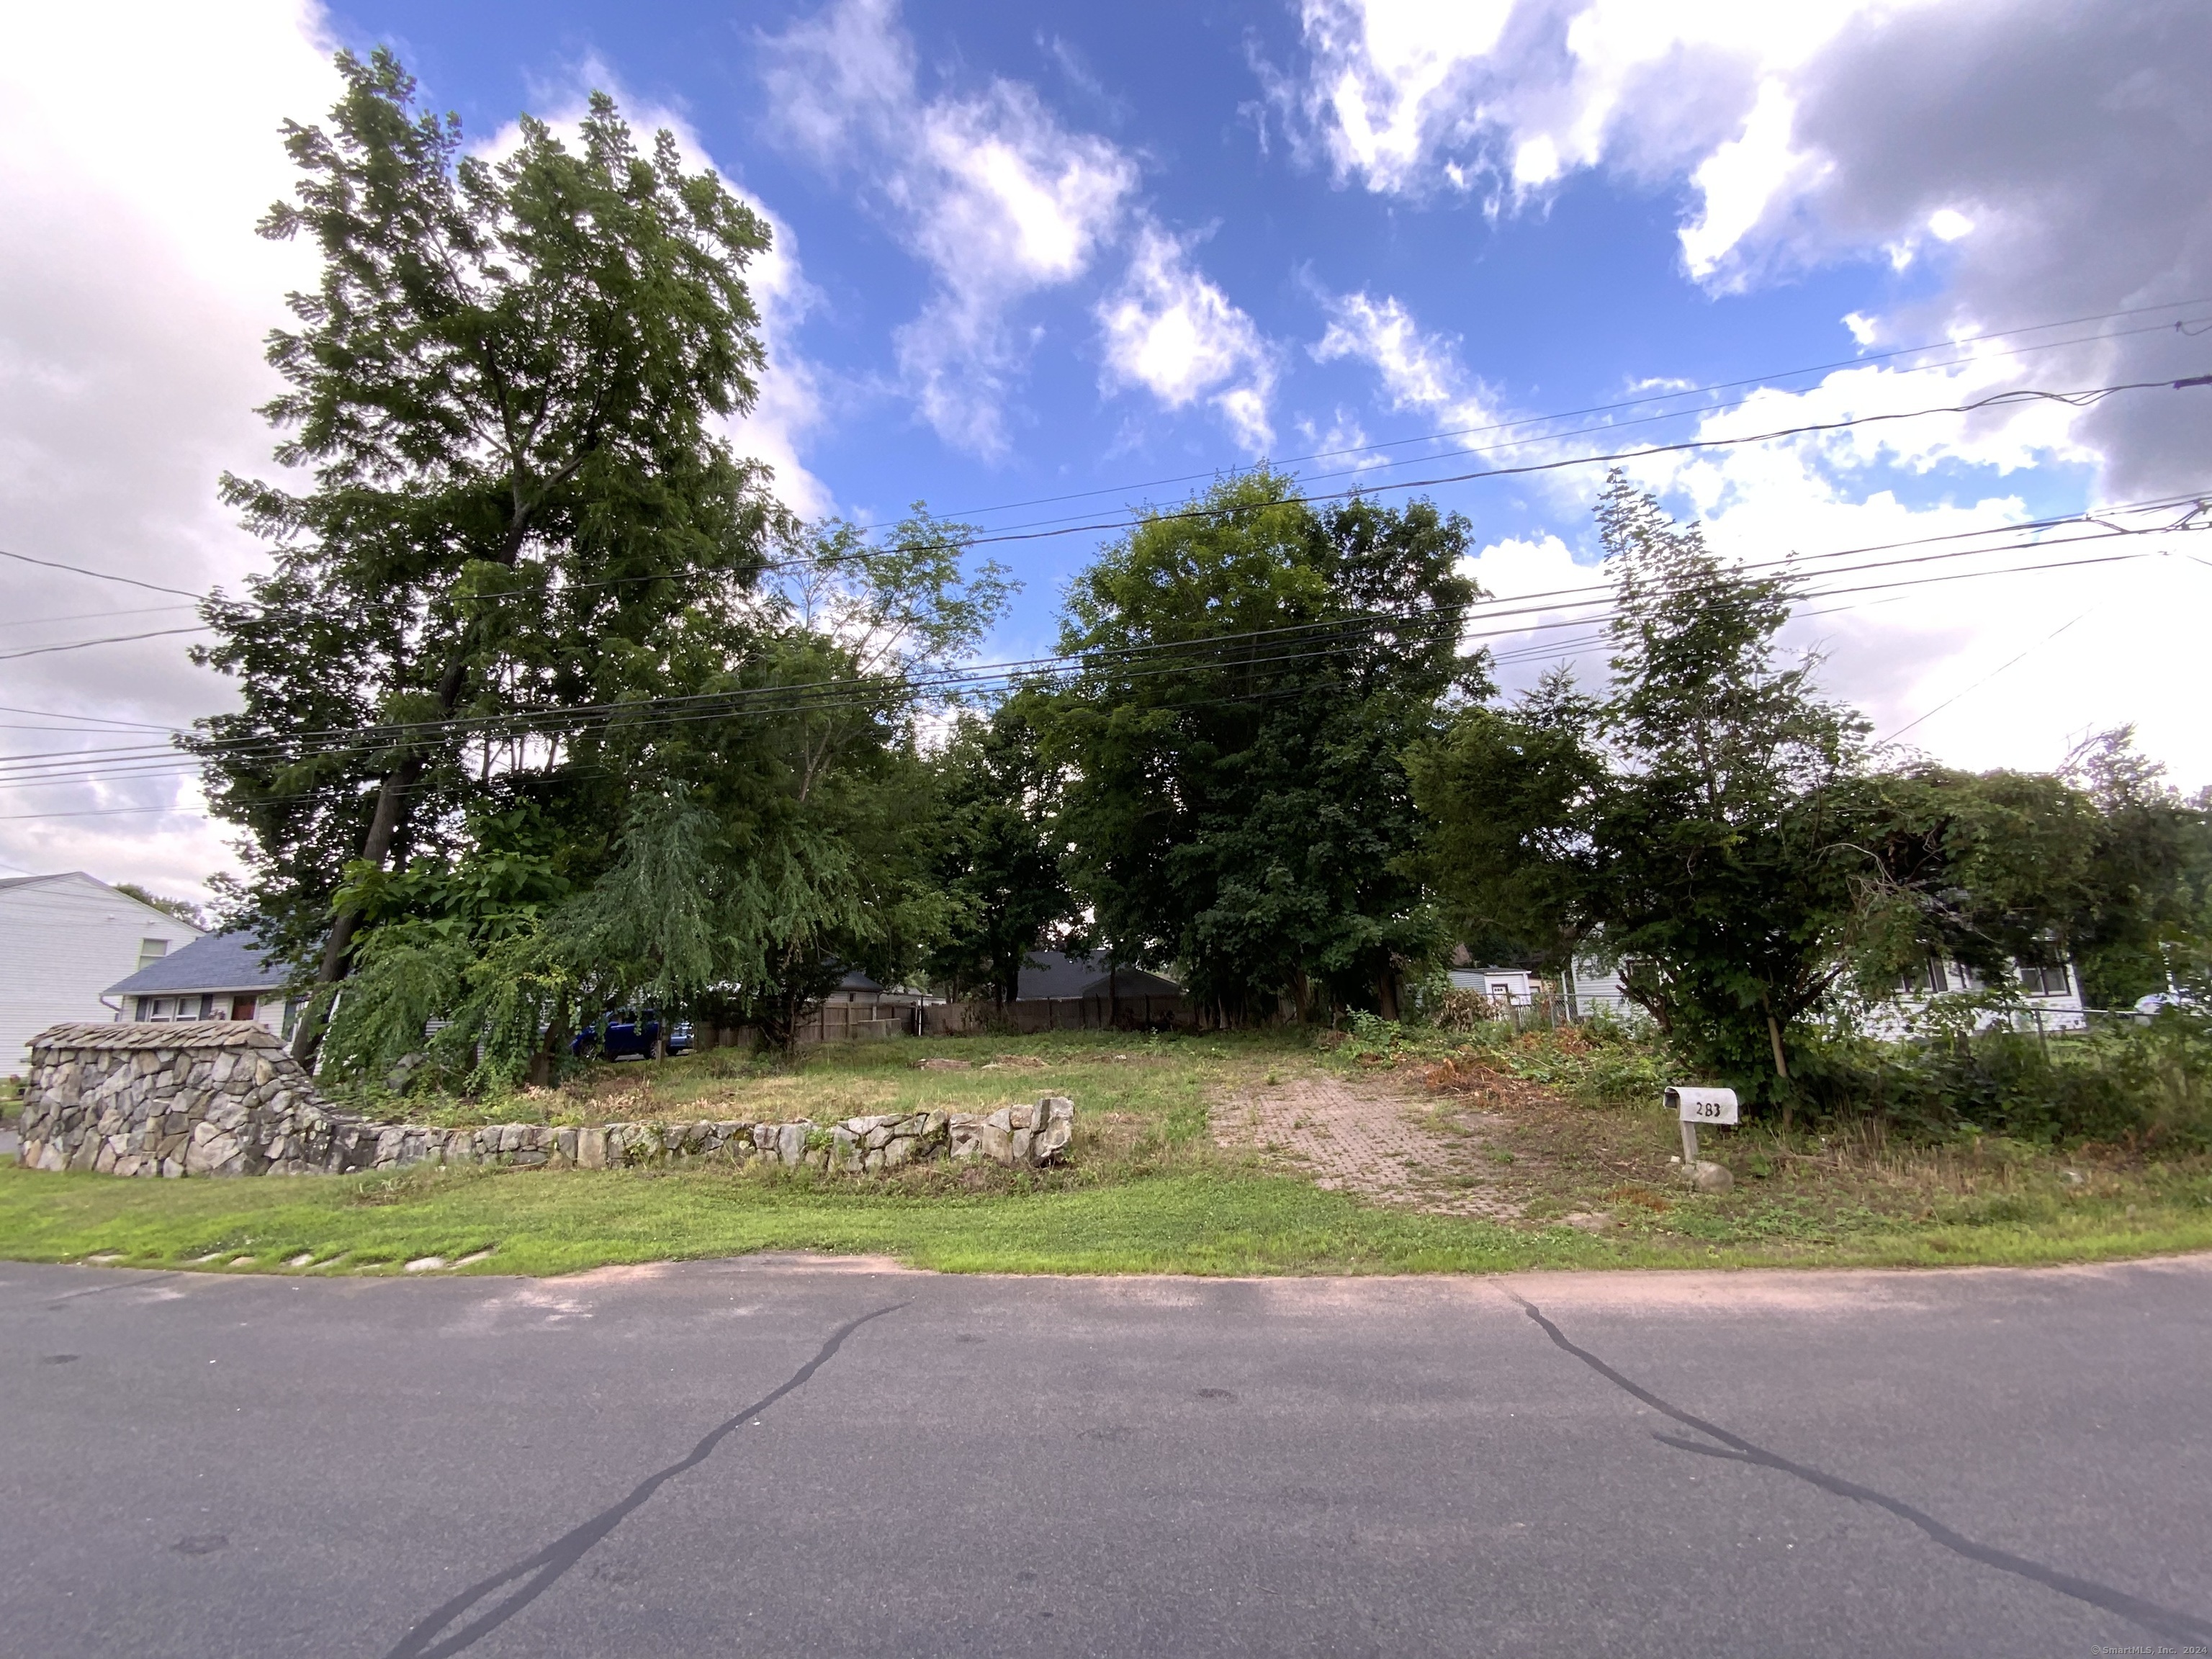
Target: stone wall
(222,1097)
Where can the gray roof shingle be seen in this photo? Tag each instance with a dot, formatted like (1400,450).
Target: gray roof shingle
(221,962)
(1056,974)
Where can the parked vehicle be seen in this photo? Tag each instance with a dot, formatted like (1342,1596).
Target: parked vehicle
(629,1032)
(2150,1007)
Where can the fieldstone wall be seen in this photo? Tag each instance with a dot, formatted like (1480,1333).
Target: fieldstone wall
(218,1098)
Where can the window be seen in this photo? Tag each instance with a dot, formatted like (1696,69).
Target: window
(241,1007)
(2039,981)
(151,951)
(161,1008)
(1929,978)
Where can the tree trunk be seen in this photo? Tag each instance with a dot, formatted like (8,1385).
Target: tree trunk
(337,948)
(1386,993)
(1781,1066)
(384,828)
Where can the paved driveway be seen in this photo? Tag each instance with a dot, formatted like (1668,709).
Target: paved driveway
(782,1457)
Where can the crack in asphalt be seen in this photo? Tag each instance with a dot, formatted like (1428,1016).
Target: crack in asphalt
(135,1282)
(538,1572)
(1733,1448)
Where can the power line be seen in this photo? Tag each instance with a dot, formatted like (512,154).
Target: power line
(1351,633)
(105,575)
(734,702)
(111,639)
(93,615)
(1041,532)
(1553,436)
(1982,682)
(1859,361)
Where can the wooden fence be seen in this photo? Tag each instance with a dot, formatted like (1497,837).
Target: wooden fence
(1030,1015)
(850,1022)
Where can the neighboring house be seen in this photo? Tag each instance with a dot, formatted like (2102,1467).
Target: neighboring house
(1592,990)
(1054,975)
(857,987)
(222,976)
(2050,998)
(63,941)
(861,1007)
(1510,988)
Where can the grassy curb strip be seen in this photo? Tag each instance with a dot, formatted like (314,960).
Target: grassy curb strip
(1568,1135)
(542,1223)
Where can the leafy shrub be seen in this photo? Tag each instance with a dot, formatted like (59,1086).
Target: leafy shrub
(2147,1087)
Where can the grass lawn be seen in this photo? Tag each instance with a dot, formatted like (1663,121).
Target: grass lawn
(1146,1190)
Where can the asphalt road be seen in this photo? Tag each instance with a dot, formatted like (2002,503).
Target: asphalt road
(784,1457)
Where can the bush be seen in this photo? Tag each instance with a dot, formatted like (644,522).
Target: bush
(2146,1087)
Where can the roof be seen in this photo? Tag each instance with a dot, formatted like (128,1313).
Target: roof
(1093,974)
(147,1034)
(8,882)
(854,980)
(219,962)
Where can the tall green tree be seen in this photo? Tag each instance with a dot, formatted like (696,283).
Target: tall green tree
(1990,869)
(1688,824)
(506,389)
(768,845)
(2150,879)
(1233,793)
(994,855)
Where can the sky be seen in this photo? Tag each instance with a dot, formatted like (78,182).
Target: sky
(1038,267)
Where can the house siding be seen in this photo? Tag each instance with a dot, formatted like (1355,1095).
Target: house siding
(63,941)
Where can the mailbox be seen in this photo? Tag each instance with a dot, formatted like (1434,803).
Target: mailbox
(1703,1105)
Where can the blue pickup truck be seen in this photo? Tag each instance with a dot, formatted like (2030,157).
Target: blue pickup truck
(629,1032)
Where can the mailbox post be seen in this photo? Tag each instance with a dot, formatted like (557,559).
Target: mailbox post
(1695,1106)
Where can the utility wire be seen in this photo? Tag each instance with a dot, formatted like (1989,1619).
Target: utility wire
(1353,636)
(1049,530)
(1760,380)
(735,702)
(1597,592)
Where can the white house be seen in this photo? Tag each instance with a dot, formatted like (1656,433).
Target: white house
(2048,998)
(63,941)
(222,976)
(1509,987)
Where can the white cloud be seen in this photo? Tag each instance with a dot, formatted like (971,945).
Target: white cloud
(2053,152)
(1898,652)
(2043,158)
(1169,330)
(990,191)
(1418,370)
(135,153)
(138,148)
(1383,71)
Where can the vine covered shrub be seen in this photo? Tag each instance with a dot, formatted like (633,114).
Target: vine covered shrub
(2145,1087)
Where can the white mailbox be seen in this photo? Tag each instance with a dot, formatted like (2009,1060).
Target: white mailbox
(1703,1105)
(1695,1106)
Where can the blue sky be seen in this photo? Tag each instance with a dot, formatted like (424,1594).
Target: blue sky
(1556,304)
(1031,252)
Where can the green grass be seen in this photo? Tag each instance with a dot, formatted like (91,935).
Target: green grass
(1146,1191)
(540,1221)
(1157,1078)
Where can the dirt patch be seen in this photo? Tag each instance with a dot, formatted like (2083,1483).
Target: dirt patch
(1372,1135)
